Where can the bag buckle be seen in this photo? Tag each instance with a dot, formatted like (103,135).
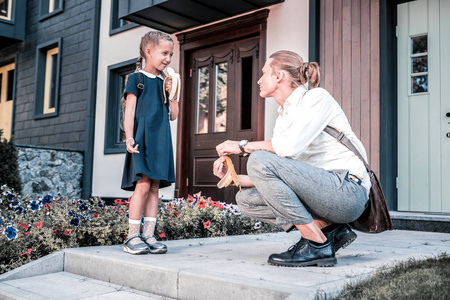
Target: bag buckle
(341,136)
(140,86)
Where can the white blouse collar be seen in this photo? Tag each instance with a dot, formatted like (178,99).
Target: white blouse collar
(150,75)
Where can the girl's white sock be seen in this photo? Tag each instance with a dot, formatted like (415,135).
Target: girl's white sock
(134,227)
(149,229)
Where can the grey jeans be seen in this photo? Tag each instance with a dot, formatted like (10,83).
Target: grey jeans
(288,192)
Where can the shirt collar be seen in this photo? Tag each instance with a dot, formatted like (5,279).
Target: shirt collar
(293,98)
(150,75)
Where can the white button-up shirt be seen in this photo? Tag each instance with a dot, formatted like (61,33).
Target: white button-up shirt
(298,133)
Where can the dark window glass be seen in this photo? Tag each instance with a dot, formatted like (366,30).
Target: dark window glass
(419,44)
(246,93)
(9,91)
(4,8)
(420,64)
(419,84)
(1,81)
(54,64)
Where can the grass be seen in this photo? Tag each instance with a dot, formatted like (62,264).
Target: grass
(412,279)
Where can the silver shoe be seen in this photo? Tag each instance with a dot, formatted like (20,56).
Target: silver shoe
(155,248)
(140,248)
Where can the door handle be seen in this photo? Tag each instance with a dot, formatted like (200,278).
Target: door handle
(448,135)
(448,115)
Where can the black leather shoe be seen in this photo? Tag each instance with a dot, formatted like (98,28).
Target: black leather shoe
(341,235)
(305,253)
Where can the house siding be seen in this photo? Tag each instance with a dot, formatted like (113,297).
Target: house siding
(73,26)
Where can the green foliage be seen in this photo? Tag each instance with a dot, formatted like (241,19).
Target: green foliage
(30,229)
(412,279)
(9,166)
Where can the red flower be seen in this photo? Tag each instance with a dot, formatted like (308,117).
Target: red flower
(162,235)
(26,233)
(95,215)
(219,205)
(55,232)
(67,232)
(190,198)
(201,204)
(169,207)
(198,195)
(27,252)
(207,224)
(175,214)
(23,226)
(39,225)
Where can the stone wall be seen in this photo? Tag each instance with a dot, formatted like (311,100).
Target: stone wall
(50,171)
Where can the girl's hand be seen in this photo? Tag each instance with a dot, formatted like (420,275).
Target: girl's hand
(130,144)
(219,169)
(228,147)
(169,84)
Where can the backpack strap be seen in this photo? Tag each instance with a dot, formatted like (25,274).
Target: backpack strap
(140,85)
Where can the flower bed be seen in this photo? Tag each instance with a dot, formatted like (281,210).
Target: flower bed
(30,229)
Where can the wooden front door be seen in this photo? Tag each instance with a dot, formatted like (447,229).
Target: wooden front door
(6,99)
(424,106)
(223,106)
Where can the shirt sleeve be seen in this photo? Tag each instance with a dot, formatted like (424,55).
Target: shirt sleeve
(131,86)
(303,123)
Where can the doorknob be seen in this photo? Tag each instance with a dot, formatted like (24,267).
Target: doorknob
(448,135)
(448,115)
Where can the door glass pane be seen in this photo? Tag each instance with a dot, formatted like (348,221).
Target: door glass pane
(420,64)
(202,100)
(246,93)
(419,44)
(419,84)
(220,124)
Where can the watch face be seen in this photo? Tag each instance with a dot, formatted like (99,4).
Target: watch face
(243,143)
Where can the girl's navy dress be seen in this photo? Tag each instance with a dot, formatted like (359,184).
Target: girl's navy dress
(152,133)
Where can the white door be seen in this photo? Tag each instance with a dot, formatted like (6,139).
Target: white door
(423,39)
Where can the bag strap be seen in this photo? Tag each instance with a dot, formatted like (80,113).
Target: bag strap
(140,85)
(340,136)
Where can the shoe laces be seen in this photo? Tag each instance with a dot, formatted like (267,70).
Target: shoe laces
(299,245)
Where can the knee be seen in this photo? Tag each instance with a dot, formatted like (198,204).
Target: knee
(258,162)
(242,199)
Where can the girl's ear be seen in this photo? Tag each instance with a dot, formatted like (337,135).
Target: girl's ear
(280,75)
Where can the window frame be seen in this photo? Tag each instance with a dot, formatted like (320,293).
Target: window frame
(10,8)
(113,98)
(114,26)
(41,99)
(44,9)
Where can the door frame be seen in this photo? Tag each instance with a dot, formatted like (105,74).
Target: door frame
(251,25)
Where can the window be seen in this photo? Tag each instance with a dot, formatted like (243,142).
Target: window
(5,9)
(118,25)
(419,64)
(114,135)
(47,80)
(49,8)
(6,99)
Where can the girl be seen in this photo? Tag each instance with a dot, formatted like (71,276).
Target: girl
(149,160)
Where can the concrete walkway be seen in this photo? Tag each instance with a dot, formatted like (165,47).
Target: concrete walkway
(215,268)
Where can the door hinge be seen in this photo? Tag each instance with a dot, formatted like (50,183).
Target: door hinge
(190,72)
(396,182)
(187,181)
(396,31)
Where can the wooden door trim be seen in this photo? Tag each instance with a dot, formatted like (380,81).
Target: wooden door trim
(251,25)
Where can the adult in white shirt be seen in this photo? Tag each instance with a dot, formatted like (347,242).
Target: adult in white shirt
(303,176)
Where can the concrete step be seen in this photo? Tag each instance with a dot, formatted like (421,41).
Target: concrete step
(232,267)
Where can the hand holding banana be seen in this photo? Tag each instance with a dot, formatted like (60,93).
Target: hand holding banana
(175,90)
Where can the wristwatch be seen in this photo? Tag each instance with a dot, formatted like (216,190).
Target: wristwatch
(242,144)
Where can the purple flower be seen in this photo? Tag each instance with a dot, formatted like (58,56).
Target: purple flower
(34,205)
(10,196)
(74,222)
(11,232)
(47,199)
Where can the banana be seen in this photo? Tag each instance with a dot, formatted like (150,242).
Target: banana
(230,176)
(176,85)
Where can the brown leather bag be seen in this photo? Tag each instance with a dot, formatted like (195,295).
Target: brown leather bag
(375,217)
